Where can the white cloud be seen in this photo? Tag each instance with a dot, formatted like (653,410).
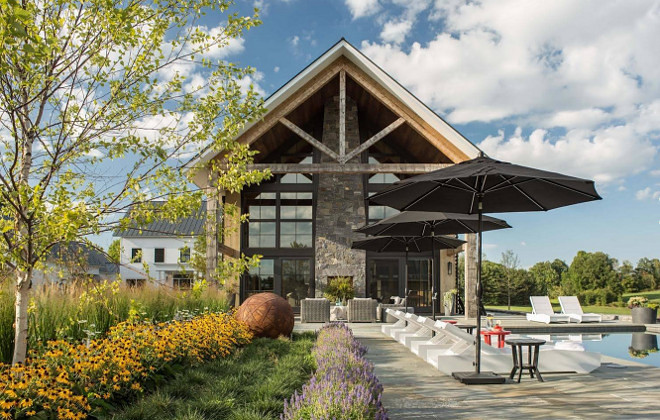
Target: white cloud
(361,8)
(647,193)
(503,58)
(605,154)
(582,78)
(655,172)
(396,31)
(276,69)
(253,80)
(294,41)
(582,118)
(523,243)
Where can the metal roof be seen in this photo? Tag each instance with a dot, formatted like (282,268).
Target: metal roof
(83,253)
(186,226)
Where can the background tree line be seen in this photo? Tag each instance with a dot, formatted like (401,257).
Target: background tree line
(595,277)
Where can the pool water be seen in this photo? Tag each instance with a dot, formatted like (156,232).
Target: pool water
(637,347)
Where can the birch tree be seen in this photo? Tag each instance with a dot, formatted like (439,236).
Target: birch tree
(101,101)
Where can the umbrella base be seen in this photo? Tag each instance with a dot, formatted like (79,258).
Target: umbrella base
(482,378)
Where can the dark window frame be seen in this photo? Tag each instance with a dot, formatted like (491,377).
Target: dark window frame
(159,254)
(184,254)
(136,255)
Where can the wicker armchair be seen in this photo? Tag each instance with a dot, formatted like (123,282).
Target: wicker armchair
(315,310)
(362,310)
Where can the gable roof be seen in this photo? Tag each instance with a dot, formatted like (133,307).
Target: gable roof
(80,251)
(186,226)
(345,49)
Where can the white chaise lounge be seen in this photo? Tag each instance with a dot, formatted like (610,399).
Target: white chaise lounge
(424,333)
(570,305)
(437,342)
(400,323)
(542,311)
(457,354)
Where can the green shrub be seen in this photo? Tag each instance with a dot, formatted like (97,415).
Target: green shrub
(340,288)
(599,297)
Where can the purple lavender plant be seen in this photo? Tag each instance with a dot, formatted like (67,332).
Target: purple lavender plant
(343,386)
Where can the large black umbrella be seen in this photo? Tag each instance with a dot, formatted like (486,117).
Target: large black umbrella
(485,185)
(408,244)
(427,223)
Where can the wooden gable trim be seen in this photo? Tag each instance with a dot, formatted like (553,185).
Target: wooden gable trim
(340,65)
(399,108)
(273,116)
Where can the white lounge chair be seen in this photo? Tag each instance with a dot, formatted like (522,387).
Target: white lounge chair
(422,334)
(570,305)
(400,323)
(439,341)
(457,354)
(542,311)
(412,327)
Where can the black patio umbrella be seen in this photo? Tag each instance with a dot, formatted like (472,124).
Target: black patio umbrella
(484,185)
(427,223)
(423,223)
(408,244)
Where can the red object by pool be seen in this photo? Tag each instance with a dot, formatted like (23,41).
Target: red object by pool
(500,334)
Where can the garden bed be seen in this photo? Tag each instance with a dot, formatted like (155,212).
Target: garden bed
(251,384)
(72,380)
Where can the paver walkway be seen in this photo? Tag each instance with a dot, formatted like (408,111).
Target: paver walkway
(413,389)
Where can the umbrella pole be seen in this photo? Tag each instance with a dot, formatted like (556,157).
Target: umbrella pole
(405,289)
(477,364)
(433,270)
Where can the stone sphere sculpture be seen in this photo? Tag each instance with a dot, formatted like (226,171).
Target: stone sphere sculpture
(267,315)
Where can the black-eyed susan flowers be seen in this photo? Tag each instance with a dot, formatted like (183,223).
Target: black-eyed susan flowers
(69,380)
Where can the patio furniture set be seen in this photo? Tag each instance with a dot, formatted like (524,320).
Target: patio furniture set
(450,349)
(357,310)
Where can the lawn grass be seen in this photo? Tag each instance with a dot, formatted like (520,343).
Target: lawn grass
(252,384)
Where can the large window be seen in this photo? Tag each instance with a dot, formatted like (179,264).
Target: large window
(296,277)
(261,278)
(280,220)
(296,220)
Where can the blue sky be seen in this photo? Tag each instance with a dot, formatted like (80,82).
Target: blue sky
(567,86)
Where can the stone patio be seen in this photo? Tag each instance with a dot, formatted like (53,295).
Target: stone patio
(415,390)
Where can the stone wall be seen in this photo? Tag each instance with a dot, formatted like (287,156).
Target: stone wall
(339,207)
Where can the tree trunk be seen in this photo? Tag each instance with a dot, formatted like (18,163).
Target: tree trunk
(21,320)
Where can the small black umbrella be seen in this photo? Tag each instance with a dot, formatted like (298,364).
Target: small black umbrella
(423,223)
(491,186)
(407,244)
(426,223)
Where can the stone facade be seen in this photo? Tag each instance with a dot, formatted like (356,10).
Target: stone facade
(340,207)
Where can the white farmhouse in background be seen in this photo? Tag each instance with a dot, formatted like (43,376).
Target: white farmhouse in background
(159,252)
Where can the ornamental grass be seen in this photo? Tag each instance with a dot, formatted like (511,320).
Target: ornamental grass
(344,385)
(69,380)
(89,309)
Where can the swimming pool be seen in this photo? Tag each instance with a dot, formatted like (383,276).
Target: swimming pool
(637,347)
